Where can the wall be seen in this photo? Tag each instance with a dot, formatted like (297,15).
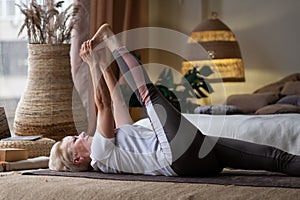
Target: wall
(268,33)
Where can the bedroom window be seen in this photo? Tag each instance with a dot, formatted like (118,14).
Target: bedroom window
(13,58)
(7,8)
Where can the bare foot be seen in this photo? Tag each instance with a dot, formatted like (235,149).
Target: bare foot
(104,33)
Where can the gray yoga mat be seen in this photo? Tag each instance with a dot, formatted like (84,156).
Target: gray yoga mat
(227,177)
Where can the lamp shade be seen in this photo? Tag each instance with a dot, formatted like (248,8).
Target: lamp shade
(221,44)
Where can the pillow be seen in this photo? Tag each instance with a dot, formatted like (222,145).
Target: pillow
(278,109)
(218,110)
(291,88)
(274,87)
(249,103)
(290,99)
(277,86)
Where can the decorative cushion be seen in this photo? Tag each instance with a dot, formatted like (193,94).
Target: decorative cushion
(218,110)
(249,103)
(290,99)
(277,86)
(291,88)
(278,109)
(274,87)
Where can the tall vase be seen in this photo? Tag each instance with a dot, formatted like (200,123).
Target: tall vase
(49,106)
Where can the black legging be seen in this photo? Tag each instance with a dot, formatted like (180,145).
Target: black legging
(186,140)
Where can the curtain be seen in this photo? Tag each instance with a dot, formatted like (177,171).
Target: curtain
(121,15)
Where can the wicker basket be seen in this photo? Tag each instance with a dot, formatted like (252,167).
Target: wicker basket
(50,103)
(41,147)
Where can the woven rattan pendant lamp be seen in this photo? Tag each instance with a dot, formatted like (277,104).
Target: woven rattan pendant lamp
(221,44)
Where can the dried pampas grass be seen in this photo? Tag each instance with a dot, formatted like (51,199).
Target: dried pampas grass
(48,24)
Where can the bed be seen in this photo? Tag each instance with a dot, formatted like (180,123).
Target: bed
(280,130)
(269,115)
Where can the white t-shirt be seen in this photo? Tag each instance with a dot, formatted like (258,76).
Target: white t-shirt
(135,149)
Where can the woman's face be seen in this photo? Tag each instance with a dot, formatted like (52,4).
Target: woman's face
(79,145)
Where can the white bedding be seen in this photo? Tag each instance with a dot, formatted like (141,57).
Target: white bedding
(281,130)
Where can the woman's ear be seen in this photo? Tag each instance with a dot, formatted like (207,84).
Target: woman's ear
(78,160)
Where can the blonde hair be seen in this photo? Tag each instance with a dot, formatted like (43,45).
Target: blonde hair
(61,159)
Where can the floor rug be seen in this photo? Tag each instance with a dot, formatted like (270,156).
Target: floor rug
(227,177)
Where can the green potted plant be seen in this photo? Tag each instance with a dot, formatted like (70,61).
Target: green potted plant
(192,85)
(47,104)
